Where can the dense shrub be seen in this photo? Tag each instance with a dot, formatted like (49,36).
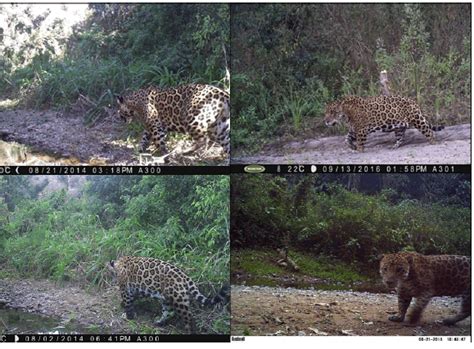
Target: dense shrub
(115,48)
(63,237)
(338,219)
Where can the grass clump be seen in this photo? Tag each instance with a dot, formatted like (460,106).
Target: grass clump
(325,268)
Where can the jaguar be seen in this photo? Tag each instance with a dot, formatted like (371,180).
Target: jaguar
(380,113)
(149,277)
(421,277)
(202,111)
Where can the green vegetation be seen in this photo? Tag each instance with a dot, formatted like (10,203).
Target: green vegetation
(183,220)
(259,267)
(326,268)
(348,218)
(289,60)
(256,262)
(116,47)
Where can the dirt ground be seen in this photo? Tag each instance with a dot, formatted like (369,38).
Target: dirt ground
(97,310)
(258,310)
(56,138)
(453,147)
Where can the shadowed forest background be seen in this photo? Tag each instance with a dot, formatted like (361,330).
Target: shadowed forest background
(335,226)
(45,62)
(289,60)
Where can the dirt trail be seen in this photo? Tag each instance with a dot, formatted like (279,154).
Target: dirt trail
(258,310)
(65,138)
(96,311)
(56,138)
(453,147)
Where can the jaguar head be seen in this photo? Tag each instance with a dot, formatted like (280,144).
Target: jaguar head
(125,113)
(334,114)
(394,268)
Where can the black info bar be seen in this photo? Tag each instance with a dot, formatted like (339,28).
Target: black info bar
(111,338)
(226,170)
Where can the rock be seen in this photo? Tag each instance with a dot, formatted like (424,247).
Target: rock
(347,332)
(301,333)
(322,305)
(318,332)
(278,321)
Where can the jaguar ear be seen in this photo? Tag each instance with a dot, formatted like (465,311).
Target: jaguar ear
(120,99)
(380,257)
(112,263)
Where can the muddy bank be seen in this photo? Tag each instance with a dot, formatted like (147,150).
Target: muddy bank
(260,310)
(63,138)
(453,147)
(60,138)
(70,304)
(93,311)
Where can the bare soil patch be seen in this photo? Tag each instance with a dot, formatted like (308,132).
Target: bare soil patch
(260,310)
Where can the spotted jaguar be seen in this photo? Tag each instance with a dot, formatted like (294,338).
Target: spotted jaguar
(414,275)
(381,113)
(149,277)
(202,111)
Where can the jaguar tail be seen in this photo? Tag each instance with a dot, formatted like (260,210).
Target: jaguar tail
(221,297)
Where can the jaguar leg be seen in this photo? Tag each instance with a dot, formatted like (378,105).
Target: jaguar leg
(403,304)
(128,296)
(361,138)
(158,138)
(200,138)
(221,131)
(166,315)
(350,139)
(420,304)
(145,142)
(425,129)
(464,312)
(183,311)
(399,136)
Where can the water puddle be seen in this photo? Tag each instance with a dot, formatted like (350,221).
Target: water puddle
(13,321)
(12,153)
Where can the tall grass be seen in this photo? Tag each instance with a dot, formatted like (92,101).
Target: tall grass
(68,239)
